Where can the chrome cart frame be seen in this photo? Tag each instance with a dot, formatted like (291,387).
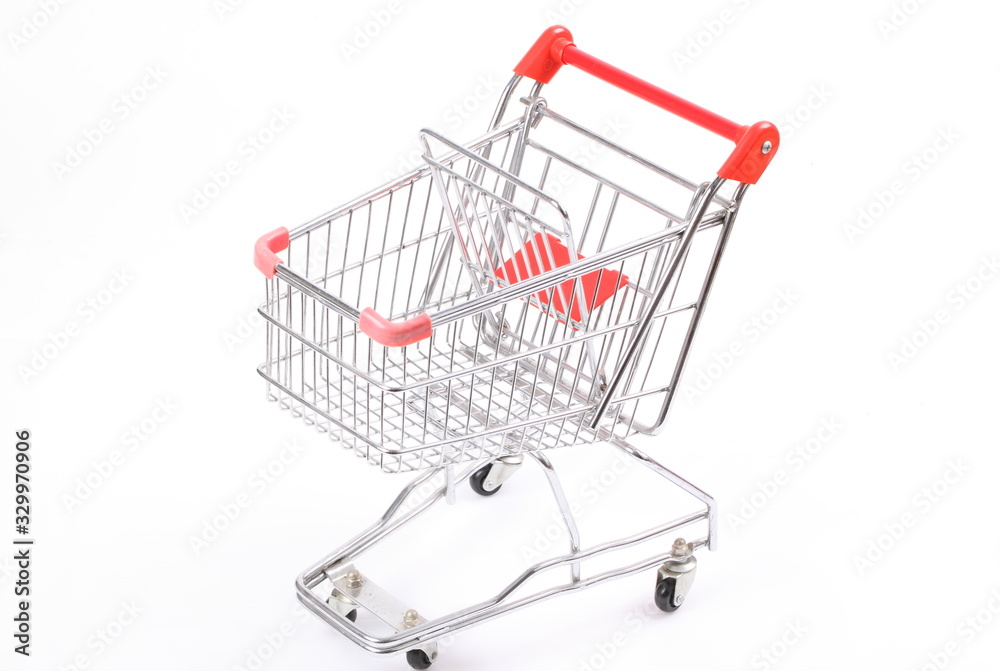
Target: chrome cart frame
(522,299)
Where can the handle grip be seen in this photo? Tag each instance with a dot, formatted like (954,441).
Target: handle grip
(755,145)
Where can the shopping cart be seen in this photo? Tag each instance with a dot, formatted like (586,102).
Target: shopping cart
(514,300)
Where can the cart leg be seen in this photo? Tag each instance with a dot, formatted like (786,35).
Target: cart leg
(564,509)
(676,576)
(352,592)
(701,495)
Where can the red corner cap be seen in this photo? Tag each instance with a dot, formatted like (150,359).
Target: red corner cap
(394,334)
(544,58)
(264,252)
(754,150)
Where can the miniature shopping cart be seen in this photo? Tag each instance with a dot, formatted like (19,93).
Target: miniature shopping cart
(503,299)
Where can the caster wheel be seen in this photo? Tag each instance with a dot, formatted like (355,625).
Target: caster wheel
(477,481)
(664,595)
(418,659)
(353,615)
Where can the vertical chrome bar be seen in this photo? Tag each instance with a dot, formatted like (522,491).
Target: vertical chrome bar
(701,495)
(639,335)
(564,509)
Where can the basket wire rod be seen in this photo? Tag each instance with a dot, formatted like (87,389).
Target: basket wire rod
(505,96)
(706,289)
(517,157)
(493,374)
(635,370)
(464,309)
(660,170)
(472,156)
(399,249)
(604,180)
(703,198)
(441,184)
(380,191)
(546,166)
(591,211)
(544,280)
(564,509)
(438,266)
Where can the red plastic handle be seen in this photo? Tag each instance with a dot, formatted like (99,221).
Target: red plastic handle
(265,255)
(755,145)
(394,334)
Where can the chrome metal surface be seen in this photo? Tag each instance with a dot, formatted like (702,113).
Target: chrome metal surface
(564,292)
(518,360)
(315,581)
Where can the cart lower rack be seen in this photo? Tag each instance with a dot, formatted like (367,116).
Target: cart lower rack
(503,299)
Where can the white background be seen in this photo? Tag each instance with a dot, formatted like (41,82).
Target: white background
(180,330)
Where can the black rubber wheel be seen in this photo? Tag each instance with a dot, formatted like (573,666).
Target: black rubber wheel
(666,589)
(353,615)
(418,659)
(476,481)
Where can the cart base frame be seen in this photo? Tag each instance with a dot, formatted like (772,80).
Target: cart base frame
(416,635)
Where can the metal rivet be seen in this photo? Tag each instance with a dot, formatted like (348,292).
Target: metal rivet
(766,147)
(681,548)
(410,618)
(353,578)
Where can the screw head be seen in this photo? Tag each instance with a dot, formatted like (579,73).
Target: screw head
(681,548)
(410,618)
(353,578)
(766,147)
